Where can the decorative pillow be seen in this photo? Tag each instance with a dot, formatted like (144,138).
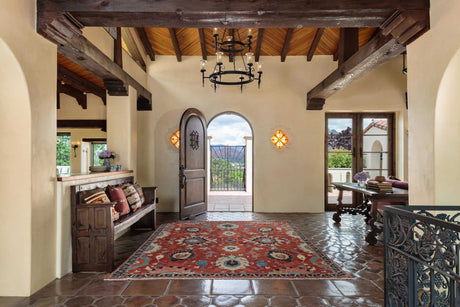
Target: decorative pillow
(140,192)
(117,195)
(98,196)
(132,196)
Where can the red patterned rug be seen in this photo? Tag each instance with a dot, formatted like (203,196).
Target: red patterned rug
(228,250)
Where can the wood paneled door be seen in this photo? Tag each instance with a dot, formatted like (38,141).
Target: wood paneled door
(192,164)
(356,142)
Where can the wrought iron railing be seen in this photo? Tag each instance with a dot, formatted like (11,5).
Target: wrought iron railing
(422,247)
(228,168)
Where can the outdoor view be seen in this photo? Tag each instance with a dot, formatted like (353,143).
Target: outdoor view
(371,152)
(63,153)
(228,177)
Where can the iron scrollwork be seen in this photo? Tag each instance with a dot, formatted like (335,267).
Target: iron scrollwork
(194,140)
(422,258)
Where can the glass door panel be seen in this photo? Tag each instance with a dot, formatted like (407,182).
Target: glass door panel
(356,142)
(339,157)
(376,141)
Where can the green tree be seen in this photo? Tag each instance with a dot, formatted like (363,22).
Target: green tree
(339,158)
(63,150)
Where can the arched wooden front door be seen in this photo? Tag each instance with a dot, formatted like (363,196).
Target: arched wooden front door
(192,164)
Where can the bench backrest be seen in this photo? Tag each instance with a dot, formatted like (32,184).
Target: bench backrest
(95,185)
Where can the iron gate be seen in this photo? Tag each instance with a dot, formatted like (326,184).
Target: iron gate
(228,168)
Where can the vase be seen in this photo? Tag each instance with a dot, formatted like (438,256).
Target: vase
(107,163)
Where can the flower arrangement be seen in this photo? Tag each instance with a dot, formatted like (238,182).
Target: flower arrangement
(107,154)
(361,176)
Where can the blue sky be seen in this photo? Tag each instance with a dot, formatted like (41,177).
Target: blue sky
(228,129)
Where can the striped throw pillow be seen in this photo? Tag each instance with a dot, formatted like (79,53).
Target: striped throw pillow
(132,196)
(98,196)
(140,192)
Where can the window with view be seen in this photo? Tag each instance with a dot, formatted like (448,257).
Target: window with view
(63,153)
(96,149)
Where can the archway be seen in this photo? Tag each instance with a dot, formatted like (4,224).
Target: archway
(447,135)
(15,184)
(230,163)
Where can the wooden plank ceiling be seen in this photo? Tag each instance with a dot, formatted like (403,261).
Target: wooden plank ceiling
(272,42)
(65,62)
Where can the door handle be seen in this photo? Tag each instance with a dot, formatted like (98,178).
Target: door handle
(360,152)
(183,178)
(354,152)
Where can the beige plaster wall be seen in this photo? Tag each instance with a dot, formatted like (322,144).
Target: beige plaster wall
(14,162)
(428,58)
(287,180)
(447,135)
(37,58)
(122,129)
(71,110)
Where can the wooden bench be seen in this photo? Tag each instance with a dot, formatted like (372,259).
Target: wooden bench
(93,230)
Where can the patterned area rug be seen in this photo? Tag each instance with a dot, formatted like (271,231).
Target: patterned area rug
(228,250)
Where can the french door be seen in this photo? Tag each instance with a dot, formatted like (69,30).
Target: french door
(356,142)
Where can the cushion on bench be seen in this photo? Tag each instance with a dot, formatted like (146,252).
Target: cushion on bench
(132,196)
(117,195)
(98,196)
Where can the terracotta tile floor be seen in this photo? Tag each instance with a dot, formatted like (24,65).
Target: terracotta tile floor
(345,244)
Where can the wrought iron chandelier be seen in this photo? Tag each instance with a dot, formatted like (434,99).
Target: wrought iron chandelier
(233,46)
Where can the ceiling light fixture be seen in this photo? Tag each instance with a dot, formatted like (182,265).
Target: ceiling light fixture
(229,45)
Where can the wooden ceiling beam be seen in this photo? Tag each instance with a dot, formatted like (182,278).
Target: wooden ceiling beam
(82,123)
(72,92)
(315,43)
(131,44)
(287,40)
(146,43)
(175,43)
(260,37)
(231,32)
(378,50)
(204,53)
(230,14)
(66,33)
(118,49)
(74,80)
(348,43)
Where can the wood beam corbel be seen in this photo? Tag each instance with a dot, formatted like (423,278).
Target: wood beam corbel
(146,43)
(80,96)
(175,43)
(390,41)
(65,31)
(315,43)
(287,40)
(260,37)
(76,81)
